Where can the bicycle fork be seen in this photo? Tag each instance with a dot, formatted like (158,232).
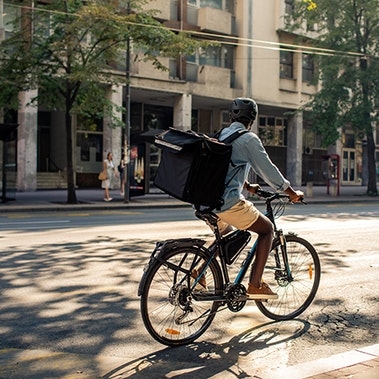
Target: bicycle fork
(283,250)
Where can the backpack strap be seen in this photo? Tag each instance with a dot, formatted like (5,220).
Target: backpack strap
(232,137)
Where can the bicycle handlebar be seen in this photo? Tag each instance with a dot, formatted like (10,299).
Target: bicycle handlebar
(209,216)
(270,196)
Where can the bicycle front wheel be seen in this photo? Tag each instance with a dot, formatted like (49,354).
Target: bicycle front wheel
(297,288)
(169,310)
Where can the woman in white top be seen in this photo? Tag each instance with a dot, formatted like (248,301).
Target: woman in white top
(109,168)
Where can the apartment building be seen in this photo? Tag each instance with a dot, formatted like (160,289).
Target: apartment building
(253,58)
(248,62)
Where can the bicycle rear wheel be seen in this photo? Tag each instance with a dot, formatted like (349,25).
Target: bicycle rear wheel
(297,292)
(169,310)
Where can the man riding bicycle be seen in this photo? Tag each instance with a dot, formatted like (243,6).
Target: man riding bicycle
(248,152)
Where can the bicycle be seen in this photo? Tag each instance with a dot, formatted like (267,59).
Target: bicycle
(186,283)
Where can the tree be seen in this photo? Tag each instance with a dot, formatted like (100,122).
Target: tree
(348,69)
(67,49)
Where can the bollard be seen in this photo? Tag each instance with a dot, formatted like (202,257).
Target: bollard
(309,192)
(333,187)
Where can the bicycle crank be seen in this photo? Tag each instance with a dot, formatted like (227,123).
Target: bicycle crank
(235,295)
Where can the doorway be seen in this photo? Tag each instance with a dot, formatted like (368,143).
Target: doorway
(351,161)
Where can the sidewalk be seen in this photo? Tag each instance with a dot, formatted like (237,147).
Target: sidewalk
(93,199)
(361,363)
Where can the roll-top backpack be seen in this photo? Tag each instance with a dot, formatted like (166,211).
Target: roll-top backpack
(193,166)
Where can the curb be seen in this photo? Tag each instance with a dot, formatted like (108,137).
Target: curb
(125,206)
(319,368)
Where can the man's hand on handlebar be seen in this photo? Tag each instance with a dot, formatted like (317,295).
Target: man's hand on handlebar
(294,196)
(252,188)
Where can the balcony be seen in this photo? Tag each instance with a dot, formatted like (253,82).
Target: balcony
(215,20)
(213,76)
(145,69)
(168,10)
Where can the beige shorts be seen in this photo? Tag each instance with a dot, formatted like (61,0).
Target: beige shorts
(241,215)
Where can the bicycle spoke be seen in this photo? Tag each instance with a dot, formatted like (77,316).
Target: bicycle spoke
(169,310)
(296,293)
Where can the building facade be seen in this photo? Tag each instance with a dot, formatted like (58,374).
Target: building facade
(253,58)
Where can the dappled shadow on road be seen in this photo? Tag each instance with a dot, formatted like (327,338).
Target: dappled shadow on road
(347,317)
(82,297)
(207,359)
(70,296)
(331,258)
(245,355)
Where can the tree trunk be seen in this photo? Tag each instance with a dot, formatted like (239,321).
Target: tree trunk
(371,185)
(71,194)
(372,189)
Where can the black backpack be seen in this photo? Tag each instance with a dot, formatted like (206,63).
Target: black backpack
(193,166)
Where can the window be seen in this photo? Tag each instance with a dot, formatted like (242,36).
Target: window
(273,131)
(157,117)
(10,15)
(42,25)
(227,5)
(218,56)
(42,20)
(286,64)
(311,140)
(217,4)
(288,7)
(307,68)
(90,139)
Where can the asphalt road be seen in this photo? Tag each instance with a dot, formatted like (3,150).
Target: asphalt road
(68,284)
(73,219)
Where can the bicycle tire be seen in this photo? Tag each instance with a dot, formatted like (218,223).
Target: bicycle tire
(294,296)
(168,293)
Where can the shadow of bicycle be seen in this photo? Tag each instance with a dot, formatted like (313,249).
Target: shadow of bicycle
(231,359)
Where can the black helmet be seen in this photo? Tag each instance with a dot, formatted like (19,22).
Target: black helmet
(243,109)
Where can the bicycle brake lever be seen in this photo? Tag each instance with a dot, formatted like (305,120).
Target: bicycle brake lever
(302,201)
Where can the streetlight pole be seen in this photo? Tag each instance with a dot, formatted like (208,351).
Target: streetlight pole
(127,120)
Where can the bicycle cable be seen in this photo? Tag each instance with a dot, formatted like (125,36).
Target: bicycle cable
(278,208)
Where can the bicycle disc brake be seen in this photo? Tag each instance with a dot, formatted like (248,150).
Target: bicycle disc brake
(235,295)
(282,278)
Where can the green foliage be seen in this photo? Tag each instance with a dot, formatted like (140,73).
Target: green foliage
(350,34)
(69,50)
(76,45)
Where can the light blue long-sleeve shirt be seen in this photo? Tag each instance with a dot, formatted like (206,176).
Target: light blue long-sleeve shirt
(248,152)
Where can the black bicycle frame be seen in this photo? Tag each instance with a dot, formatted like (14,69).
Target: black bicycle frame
(217,247)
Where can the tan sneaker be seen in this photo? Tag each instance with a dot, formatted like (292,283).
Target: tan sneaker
(202,283)
(261,293)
